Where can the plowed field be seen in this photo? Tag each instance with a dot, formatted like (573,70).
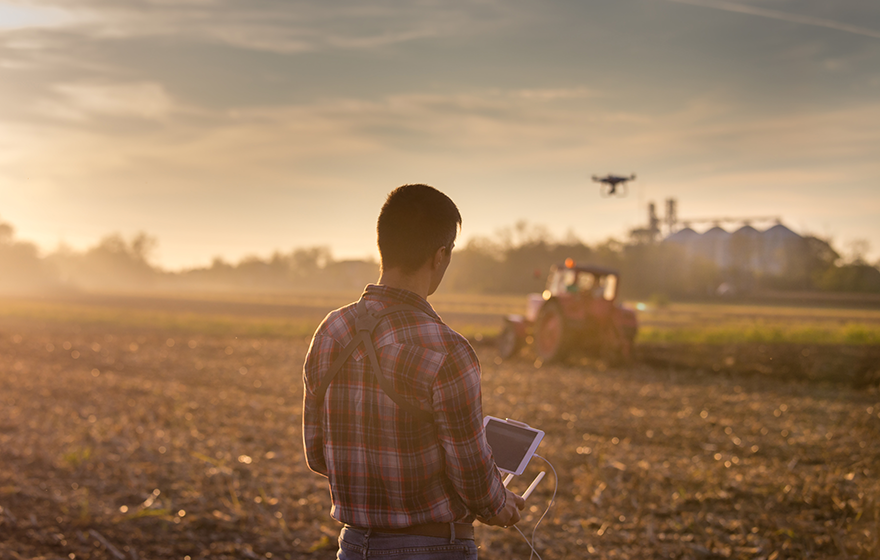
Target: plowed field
(126,441)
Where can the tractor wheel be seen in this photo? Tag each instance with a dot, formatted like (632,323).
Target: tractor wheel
(551,336)
(617,348)
(629,344)
(612,353)
(508,342)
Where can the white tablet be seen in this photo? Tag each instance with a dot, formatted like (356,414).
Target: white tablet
(513,443)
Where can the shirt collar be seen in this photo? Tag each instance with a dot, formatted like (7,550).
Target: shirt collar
(391,296)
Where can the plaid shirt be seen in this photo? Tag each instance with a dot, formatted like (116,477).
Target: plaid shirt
(387,469)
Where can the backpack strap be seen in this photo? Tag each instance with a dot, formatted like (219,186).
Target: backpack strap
(365,323)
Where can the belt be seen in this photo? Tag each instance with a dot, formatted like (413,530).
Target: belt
(463,531)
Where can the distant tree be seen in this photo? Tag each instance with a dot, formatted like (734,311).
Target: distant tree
(806,263)
(7,232)
(515,260)
(523,233)
(664,270)
(347,275)
(217,263)
(113,263)
(857,251)
(819,258)
(474,267)
(22,268)
(859,277)
(820,252)
(306,263)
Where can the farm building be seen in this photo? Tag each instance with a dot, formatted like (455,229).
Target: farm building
(771,252)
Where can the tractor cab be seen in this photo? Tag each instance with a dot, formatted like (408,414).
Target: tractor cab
(577,310)
(580,289)
(587,281)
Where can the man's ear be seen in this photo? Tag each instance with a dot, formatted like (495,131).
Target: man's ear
(438,257)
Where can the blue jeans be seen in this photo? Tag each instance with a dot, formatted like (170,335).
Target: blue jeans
(355,544)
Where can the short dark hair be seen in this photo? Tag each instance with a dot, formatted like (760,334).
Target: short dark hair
(415,221)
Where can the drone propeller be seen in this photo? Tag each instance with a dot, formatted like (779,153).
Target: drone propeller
(607,190)
(610,183)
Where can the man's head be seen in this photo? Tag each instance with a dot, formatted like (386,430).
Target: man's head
(414,223)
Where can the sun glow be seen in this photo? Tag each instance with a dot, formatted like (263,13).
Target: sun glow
(17,16)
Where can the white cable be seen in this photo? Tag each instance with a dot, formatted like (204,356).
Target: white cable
(534,552)
(531,542)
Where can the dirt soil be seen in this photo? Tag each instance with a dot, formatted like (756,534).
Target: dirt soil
(855,365)
(129,443)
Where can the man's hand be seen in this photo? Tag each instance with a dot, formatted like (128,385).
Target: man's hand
(509,515)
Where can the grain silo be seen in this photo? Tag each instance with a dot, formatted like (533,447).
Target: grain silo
(714,245)
(779,247)
(746,249)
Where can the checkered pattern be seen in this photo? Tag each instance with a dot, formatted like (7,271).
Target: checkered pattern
(387,469)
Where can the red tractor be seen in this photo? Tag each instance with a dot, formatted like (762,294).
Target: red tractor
(577,311)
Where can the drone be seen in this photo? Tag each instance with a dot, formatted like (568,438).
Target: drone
(610,183)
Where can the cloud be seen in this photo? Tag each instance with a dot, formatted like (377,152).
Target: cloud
(783,16)
(541,145)
(81,101)
(287,26)
(334,141)
(16,16)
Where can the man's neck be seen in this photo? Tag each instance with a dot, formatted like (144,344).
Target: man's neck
(418,282)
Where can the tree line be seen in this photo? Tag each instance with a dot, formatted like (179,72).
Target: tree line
(516,260)
(513,261)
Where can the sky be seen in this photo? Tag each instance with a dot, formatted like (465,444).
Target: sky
(228,128)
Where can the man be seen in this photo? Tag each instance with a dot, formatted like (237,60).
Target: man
(392,411)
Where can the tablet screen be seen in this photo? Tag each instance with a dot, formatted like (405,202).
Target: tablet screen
(510,444)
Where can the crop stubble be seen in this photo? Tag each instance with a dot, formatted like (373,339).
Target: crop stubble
(128,442)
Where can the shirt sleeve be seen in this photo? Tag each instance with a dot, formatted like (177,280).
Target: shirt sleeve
(458,413)
(312,426)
